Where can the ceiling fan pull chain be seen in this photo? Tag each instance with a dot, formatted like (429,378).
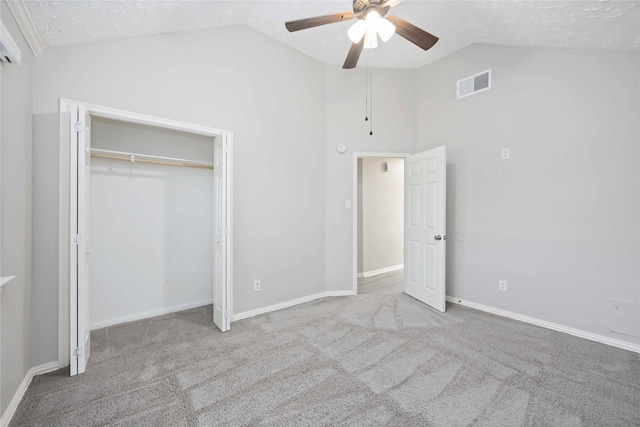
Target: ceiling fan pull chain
(366,94)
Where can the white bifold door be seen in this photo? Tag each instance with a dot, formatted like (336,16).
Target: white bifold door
(221,227)
(79,203)
(424,234)
(80,247)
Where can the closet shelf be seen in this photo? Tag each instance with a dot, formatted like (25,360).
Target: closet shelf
(6,279)
(146,158)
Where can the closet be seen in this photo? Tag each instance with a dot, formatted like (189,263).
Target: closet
(151,221)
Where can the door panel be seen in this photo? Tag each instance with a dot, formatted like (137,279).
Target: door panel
(81,339)
(425,244)
(221,300)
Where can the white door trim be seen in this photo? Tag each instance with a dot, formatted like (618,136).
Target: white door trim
(354,204)
(66,262)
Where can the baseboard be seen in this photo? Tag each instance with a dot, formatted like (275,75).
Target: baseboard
(147,314)
(549,325)
(360,275)
(45,368)
(291,303)
(382,270)
(339,293)
(279,306)
(24,385)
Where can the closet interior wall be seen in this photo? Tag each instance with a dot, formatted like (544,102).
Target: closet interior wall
(151,224)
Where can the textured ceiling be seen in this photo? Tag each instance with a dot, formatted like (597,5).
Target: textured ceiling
(576,24)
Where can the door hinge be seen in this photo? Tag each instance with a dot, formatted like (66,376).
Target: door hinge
(77,238)
(77,352)
(78,126)
(226,315)
(225,149)
(226,231)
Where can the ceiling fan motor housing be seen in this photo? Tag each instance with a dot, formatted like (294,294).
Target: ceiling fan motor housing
(361,6)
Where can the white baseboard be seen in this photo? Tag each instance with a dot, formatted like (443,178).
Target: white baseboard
(549,325)
(381,270)
(291,303)
(24,385)
(45,368)
(360,275)
(147,314)
(339,293)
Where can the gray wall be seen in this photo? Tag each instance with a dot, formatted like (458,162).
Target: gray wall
(15,222)
(559,220)
(394,131)
(382,234)
(273,99)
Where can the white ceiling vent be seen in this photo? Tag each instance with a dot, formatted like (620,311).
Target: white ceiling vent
(9,51)
(474,84)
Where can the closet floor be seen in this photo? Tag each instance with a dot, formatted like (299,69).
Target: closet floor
(343,361)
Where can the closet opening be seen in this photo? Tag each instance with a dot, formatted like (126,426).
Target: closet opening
(150,222)
(149,229)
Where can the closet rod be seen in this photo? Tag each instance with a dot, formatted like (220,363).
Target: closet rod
(146,158)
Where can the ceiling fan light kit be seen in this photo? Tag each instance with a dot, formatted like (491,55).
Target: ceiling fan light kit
(370,40)
(372,22)
(370,28)
(356,31)
(385,29)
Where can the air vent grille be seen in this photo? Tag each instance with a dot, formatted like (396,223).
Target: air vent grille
(474,84)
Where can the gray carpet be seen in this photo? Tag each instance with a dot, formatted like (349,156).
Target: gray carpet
(369,360)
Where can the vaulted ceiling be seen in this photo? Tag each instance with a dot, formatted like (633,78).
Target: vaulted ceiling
(574,24)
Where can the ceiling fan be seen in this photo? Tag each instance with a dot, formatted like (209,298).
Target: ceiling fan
(372,22)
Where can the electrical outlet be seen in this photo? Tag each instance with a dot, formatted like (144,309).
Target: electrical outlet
(505,154)
(502,285)
(256,286)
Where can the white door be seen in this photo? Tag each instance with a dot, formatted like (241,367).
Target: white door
(221,238)
(424,234)
(81,153)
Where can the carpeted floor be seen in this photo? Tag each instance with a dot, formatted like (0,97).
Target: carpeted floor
(367,360)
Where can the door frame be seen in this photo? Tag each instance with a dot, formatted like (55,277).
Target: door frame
(356,156)
(67,217)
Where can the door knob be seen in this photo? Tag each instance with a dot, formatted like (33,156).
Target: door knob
(438,237)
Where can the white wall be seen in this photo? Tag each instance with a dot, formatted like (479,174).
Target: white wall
(394,131)
(273,99)
(15,218)
(382,234)
(559,220)
(151,225)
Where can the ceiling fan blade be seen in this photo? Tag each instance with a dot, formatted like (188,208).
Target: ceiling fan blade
(353,55)
(303,24)
(412,33)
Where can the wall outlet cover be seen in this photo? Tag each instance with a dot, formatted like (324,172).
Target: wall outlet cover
(502,285)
